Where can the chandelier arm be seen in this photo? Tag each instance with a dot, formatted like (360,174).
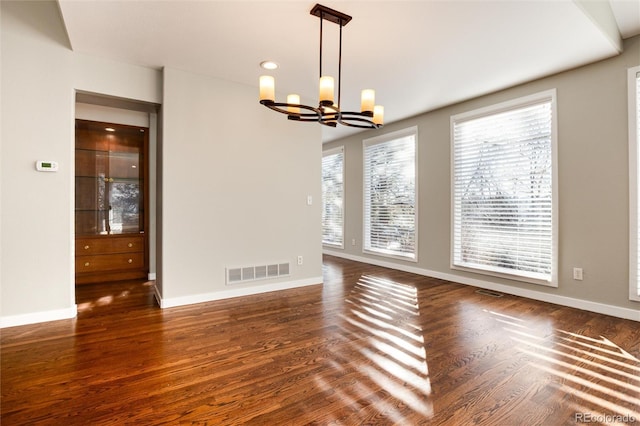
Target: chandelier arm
(310,118)
(357,114)
(276,106)
(353,119)
(368,124)
(331,123)
(317,115)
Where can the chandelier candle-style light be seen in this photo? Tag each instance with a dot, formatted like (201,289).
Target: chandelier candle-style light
(327,112)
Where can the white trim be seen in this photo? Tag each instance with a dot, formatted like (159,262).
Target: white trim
(416,197)
(555,188)
(336,246)
(586,305)
(632,76)
(533,99)
(156,294)
(38,317)
(151,276)
(71,213)
(530,279)
(333,151)
(521,102)
(236,292)
(388,137)
(381,253)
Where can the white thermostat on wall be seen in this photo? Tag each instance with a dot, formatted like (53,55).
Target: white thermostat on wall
(46,166)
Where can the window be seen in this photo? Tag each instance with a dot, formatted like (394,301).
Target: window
(390,194)
(634,183)
(504,208)
(332,197)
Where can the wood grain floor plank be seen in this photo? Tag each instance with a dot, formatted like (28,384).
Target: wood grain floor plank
(369,346)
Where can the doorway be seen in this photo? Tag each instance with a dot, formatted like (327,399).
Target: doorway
(111,201)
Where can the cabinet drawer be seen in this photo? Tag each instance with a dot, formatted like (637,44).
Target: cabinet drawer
(109,262)
(91,246)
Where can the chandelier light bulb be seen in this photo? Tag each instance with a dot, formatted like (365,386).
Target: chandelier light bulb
(267,88)
(378,115)
(294,100)
(326,90)
(367,100)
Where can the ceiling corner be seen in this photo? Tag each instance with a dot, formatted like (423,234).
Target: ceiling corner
(64,24)
(602,16)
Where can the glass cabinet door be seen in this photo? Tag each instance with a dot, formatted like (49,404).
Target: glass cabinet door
(109,179)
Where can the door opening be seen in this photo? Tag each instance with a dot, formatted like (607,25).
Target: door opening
(111,202)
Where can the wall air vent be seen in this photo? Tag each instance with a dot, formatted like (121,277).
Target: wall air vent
(254,273)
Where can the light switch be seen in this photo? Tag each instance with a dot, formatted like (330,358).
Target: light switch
(577,274)
(309,200)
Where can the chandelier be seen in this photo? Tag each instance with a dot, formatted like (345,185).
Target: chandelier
(327,112)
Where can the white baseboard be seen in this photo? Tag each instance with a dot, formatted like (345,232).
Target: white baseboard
(36,317)
(235,292)
(156,294)
(586,305)
(151,276)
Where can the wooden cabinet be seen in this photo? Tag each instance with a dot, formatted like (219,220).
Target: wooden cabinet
(110,202)
(116,257)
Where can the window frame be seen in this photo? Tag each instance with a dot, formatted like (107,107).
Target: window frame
(633,80)
(510,105)
(326,153)
(386,138)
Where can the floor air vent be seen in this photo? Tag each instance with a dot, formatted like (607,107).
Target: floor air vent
(254,273)
(489,293)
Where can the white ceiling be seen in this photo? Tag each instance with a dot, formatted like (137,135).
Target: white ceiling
(418,55)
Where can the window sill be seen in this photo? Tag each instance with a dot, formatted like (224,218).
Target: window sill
(513,277)
(406,257)
(333,246)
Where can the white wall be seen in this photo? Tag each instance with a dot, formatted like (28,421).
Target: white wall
(37,105)
(236,175)
(40,76)
(117,79)
(235,182)
(112,115)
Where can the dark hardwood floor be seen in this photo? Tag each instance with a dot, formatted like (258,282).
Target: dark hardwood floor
(370,346)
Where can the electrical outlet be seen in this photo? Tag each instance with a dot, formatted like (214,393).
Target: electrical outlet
(577,274)
(353,241)
(299,260)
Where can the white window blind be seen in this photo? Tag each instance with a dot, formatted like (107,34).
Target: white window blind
(390,194)
(637,135)
(634,184)
(333,197)
(503,209)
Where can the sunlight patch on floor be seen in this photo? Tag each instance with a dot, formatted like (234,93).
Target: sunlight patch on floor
(600,376)
(102,301)
(383,317)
